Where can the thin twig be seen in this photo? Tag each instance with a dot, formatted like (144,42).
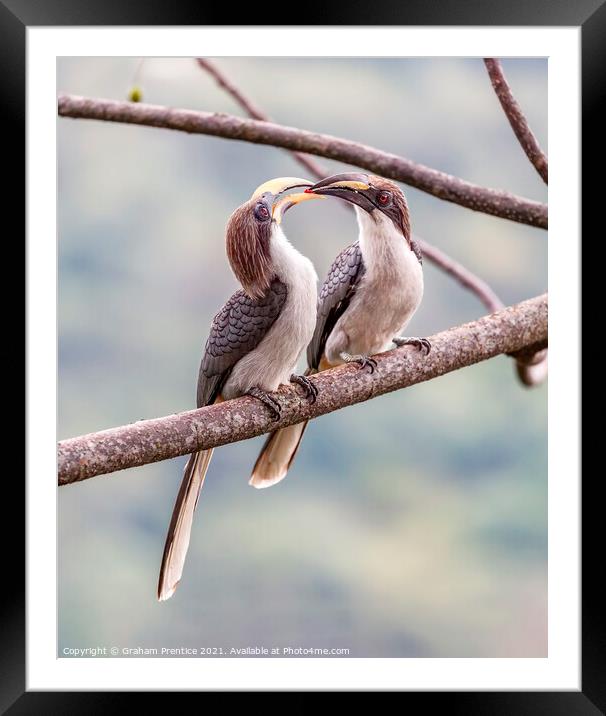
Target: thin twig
(463,275)
(510,330)
(516,117)
(439,184)
(532,370)
(223,81)
(253,111)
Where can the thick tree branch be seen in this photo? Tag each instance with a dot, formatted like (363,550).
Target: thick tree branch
(519,327)
(441,185)
(516,117)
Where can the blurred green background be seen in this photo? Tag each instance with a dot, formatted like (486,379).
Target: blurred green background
(412,525)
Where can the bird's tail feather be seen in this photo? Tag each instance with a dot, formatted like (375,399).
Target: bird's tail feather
(276,455)
(179,530)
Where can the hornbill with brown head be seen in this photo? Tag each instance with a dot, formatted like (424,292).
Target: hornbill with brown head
(372,290)
(255,340)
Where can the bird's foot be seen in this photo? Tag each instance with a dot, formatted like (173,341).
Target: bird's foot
(270,403)
(421,343)
(362,360)
(311,391)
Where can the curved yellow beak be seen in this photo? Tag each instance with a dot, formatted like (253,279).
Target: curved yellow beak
(282,206)
(280,185)
(277,187)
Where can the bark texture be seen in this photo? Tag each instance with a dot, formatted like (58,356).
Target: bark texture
(439,184)
(519,329)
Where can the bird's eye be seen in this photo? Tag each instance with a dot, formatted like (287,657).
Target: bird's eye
(262,212)
(384,198)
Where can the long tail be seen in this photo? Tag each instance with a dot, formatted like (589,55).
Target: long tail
(276,455)
(179,530)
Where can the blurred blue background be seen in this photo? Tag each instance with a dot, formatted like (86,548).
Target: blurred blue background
(412,525)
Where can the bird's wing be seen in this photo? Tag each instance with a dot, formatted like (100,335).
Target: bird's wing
(336,293)
(236,330)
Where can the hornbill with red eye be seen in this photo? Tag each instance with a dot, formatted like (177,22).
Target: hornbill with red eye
(255,340)
(372,290)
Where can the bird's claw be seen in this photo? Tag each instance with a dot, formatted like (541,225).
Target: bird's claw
(270,403)
(363,361)
(311,390)
(422,344)
(367,362)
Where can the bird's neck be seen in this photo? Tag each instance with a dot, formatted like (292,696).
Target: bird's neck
(385,250)
(256,266)
(288,264)
(250,259)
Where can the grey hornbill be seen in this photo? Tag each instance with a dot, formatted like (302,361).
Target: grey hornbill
(255,340)
(372,290)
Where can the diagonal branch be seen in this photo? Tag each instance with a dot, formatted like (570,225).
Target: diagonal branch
(523,326)
(223,81)
(463,275)
(516,117)
(444,186)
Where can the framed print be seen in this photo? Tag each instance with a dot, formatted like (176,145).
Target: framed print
(383,370)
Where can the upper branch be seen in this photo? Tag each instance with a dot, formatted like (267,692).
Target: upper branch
(516,117)
(513,329)
(444,186)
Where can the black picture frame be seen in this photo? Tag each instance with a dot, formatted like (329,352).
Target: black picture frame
(17,15)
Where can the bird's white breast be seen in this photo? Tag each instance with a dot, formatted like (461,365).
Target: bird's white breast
(274,360)
(388,295)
